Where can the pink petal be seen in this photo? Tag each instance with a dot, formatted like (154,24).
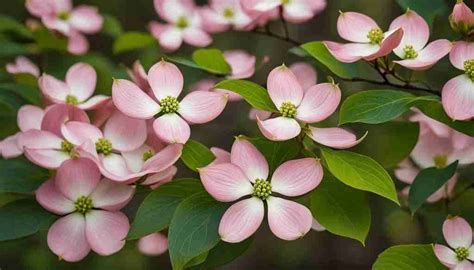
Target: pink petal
(354,26)
(112,196)
(132,101)
(134,158)
(10,147)
(171,128)
(245,155)
(170,38)
(305,74)
(350,52)
(94,102)
(81,79)
(165,80)
(163,159)
(297,177)
(241,220)
(222,156)
(77,44)
(457,232)
(57,114)
(212,21)
(29,117)
(389,43)
(39,139)
(67,238)
(429,145)
(283,86)
(171,10)
(316,226)
(196,37)
(22,65)
(406,172)
(105,231)
(125,133)
(77,177)
(319,102)
(40,8)
(53,200)
(200,107)
(153,244)
(461,51)
(279,129)
(46,158)
(464,265)
(445,255)
(114,167)
(260,5)
(79,132)
(288,220)
(225,182)
(160,178)
(297,11)
(86,19)
(262,115)
(428,56)
(241,63)
(54,89)
(334,137)
(416,31)
(457,97)
(138,75)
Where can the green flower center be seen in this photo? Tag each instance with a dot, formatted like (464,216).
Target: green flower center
(147,155)
(228,13)
(410,52)
(68,148)
(440,161)
(63,16)
(71,100)
(83,204)
(262,189)
(469,68)
(285,2)
(375,36)
(288,109)
(182,22)
(103,146)
(461,253)
(169,104)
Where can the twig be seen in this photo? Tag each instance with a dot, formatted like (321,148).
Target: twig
(284,24)
(273,35)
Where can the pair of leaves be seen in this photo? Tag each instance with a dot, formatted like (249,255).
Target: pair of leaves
(210,60)
(408,257)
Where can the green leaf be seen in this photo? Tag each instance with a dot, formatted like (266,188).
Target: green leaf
(377,106)
(427,182)
(197,260)
(156,211)
(224,253)
(11,49)
(408,257)
(132,41)
(22,218)
(196,155)
(434,109)
(111,26)
(47,40)
(388,143)
(254,94)
(26,79)
(318,51)
(341,209)
(29,93)
(360,172)
(428,9)
(211,60)
(183,61)
(21,176)
(194,228)
(10,25)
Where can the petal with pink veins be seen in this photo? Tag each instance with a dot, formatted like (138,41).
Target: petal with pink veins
(77,43)
(46,158)
(251,161)
(200,107)
(222,156)
(319,102)
(77,177)
(86,19)
(288,220)
(350,52)
(165,80)
(57,114)
(39,139)
(445,255)
(54,89)
(106,231)
(171,128)
(170,38)
(279,129)
(135,158)
(391,41)
(10,146)
(305,73)
(112,196)
(79,132)
(153,244)
(406,172)
(196,37)
(160,177)
(133,101)
(354,26)
(428,56)
(457,98)
(457,232)
(297,177)
(260,114)
(241,220)
(163,159)
(338,138)
(29,117)
(81,79)
(48,196)
(297,12)
(242,63)
(416,32)
(461,51)
(125,133)
(94,102)
(283,86)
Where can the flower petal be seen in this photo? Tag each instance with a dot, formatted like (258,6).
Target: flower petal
(251,161)
(153,244)
(406,172)
(225,182)
(288,220)
(297,11)
(200,107)
(94,102)
(461,51)
(29,117)
(283,86)
(57,114)
(105,231)
(260,114)
(297,177)
(77,43)
(112,196)
(54,89)
(350,52)
(160,178)
(46,158)
(196,37)
(67,238)
(445,255)
(39,139)
(222,156)
(170,38)
(10,146)
(457,97)
(241,220)
(389,43)
(165,80)
(354,26)
(338,138)
(79,132)
(319,102)
(171,128)
(163,159)
(81,79)
(305,73)
(125,133)
(77,177)
(428,56)
(86,19)
(316,226)
(133,101)
(53,200)
(416,31)
(241,63)
(457,232)
(279,129)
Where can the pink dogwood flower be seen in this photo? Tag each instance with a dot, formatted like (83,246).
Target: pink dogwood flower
(23,65)
(183,23)
(166,82)
(412,49)
(457,94)
(246,176)
(369,41)
(294,11)
(59,15)
(77,90)
(462,18)
(221,15)
(296,106)
(138,75)
(458,234)
(153,244)
(89,208)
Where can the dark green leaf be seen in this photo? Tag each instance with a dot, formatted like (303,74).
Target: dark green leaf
(360,172)
(132,41)
(29,93)
(111,26)
(427,182)
(428,9)
(10,49)
(211,60)
(223,253)
(21,176)
(408,257)
(10,25)
(197,260)
(194,227)
(46,40)
(254,94)
(22,218)
(196,155)
(183,61)
(156,211)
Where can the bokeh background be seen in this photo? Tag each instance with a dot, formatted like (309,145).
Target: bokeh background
(390,224)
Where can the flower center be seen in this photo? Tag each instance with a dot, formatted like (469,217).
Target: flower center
(440,161)
(288,109)
(169,104)
(182,22)
(71,100)
(147,155)
(63,16)
(375,36)
(228,13)
(461,253)
(68,148)
(103,146)
(285,2)
(262,189)
(469,68)
(410,52)
(83,204)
